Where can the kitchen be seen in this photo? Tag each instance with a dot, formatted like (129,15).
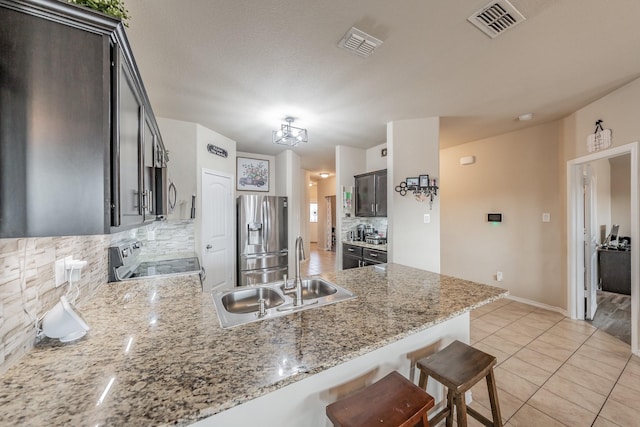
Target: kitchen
(407,230)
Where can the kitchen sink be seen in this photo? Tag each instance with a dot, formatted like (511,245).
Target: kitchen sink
(316,288)
(248,300)
(242,305)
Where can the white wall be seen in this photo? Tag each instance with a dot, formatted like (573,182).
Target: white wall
(413,150)
(601,172)
(312,195)
(289,182)
(375,161)
(349,162)
(326,187)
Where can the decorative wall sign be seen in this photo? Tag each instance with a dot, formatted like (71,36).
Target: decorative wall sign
(252,174)
(218,151)
(600,139)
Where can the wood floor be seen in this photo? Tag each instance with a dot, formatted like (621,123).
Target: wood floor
(614,315)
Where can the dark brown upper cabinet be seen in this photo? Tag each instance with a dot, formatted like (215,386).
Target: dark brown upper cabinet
(371,194)
(75,124)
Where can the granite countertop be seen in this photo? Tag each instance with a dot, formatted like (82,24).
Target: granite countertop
(156,354)
(366,245)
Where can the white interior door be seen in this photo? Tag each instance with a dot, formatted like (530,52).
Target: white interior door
(590,243)
(217,230)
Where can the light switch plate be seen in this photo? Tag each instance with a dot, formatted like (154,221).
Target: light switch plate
(427,218)
(546,217)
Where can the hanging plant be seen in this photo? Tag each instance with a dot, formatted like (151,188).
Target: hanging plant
(110,7)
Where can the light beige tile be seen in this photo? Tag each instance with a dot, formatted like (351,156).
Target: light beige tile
(496,320)
(603,422)
(477,335)
(559,342)
(514,384)
(633,366)
(575,393)
(501,356)
(579,326)
(513,336)
(527,371)
(595,366)
(501,344)
(620,414)
(520,306)
(533,326)
(540,360)
(562,410)
(483,326)
(630,380)
(609,344)
(508,314)
(626,395)
(568,334)
(603,356)
(524,329)
(593,382)
(550,350)
(528,416)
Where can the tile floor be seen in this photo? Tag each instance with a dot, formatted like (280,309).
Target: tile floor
(552,371)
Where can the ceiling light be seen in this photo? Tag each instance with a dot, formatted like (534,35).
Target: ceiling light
(289,135)
(324,175)
(525,117)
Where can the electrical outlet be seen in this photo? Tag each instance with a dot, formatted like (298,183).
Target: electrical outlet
(499,276)
(546,217)
(59,271)
(427,218)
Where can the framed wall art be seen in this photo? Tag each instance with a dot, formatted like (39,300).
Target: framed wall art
(252,174)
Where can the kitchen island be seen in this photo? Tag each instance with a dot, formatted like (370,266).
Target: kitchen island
(157,355)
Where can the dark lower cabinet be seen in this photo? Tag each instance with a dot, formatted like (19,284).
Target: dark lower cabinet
(354,256)
(72,109)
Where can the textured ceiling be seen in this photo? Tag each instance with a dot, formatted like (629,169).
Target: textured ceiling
(239,67)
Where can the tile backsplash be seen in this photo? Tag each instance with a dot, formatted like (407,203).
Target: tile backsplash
(27,280)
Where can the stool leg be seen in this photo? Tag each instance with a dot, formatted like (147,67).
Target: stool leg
(493,399)
(422,382)
(450,403)
(461,410)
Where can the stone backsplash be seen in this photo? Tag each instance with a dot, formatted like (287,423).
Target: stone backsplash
(27,279)
(350,224)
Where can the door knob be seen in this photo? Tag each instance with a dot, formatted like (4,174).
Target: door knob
(209,246)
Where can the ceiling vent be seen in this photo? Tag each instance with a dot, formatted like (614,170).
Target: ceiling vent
(359,42)
(496,18)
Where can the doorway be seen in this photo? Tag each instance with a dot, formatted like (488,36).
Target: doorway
(217,232)
(579,209)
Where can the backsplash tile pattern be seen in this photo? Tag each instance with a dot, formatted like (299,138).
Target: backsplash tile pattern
(27,280)
(350,223)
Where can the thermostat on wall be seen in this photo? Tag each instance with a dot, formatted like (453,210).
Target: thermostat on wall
(494,217)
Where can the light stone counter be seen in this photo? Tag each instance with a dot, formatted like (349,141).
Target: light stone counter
(156,355)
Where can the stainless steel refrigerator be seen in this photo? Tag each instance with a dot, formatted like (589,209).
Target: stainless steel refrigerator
(261,239)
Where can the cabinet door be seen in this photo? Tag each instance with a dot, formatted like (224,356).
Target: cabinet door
(53,127)
(381,193)
(129,156)
(365,195)
(148,179)
(349,261)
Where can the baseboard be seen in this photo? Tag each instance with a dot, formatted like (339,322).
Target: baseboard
(562,311)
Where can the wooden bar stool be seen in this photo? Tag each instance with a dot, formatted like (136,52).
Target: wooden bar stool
(459,367)
(393,401)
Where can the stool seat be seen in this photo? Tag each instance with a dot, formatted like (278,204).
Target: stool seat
(392,401)
(459,367)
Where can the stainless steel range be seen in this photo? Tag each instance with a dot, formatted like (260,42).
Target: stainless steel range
(124,264)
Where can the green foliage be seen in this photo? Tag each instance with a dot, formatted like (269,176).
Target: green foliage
(110,7)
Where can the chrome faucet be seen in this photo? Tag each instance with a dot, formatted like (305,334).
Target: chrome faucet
(297,281)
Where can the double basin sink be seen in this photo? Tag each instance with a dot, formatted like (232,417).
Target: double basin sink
(258,302)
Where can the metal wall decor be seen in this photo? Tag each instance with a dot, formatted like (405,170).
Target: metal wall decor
(422,187)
